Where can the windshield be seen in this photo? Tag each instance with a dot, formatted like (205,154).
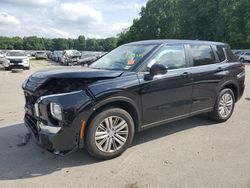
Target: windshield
(123,57)
(16,54)
(40,53)
(72,53)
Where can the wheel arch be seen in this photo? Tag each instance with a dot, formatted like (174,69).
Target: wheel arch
(233,86)
(124,103)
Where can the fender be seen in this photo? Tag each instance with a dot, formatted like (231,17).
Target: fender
(135,105)
(229,82)
(98,103)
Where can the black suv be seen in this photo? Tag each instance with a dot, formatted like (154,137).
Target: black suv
(135,87)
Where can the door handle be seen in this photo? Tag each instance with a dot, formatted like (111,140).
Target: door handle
(187,75)
(220,69)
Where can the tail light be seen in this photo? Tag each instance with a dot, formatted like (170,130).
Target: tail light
(242,66)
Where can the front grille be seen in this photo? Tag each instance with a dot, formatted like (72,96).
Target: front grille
(31,122)
(30,99)
(30,103)
(15,61)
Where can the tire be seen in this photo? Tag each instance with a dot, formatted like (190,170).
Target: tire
(6,68)
(242,59)
(26,68)
(219,114)
(96,146)
(17,70)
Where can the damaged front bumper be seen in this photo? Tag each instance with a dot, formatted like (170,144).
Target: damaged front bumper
(57,136)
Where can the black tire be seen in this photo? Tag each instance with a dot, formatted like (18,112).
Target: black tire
(93,126)
(6,68)
(215,114)
(26,68)
(242,60)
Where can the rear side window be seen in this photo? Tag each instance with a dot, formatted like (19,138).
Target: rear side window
(202,55)
(230,55)
(220,53)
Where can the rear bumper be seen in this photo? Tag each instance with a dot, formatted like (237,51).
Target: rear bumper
(241,82)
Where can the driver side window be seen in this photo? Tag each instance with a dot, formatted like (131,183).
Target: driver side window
(171,56)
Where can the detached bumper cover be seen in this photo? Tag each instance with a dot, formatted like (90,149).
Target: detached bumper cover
(67,136)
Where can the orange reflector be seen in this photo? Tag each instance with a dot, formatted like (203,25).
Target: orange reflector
(82,130)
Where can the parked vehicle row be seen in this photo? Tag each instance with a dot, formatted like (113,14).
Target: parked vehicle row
(74,57)
(88,58)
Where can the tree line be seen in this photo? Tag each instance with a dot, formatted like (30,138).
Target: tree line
(36,43)
(216,20)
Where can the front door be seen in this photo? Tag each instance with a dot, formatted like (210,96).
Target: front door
(168,96)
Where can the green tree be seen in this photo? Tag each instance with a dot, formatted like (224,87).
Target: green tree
(219,20)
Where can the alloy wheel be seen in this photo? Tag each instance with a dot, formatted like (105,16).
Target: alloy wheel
(225,105)
(111,134)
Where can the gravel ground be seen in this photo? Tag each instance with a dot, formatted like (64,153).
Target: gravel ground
(194,152)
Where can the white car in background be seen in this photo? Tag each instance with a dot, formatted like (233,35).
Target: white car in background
(245,57)
(2,56)
(16,59)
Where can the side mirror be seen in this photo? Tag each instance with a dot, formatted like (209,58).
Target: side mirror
(158,69)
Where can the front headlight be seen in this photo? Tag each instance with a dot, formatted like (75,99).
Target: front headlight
(56,110)
(6,60)
(25,61)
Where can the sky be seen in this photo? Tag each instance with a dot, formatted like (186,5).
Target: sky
(67,18)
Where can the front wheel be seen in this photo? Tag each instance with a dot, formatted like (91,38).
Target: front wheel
(110,133)
(224,106)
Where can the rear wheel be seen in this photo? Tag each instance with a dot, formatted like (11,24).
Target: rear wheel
(6,68)
(224,106)
(110,133)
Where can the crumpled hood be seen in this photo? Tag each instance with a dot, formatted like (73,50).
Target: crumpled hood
(76,72)
(39,78)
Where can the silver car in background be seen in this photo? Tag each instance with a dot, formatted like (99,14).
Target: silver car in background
(41,55)
(16,59)
(70,57)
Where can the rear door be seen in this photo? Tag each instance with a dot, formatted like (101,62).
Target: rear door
(207,68)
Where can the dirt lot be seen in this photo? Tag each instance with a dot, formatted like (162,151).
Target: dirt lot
(190,153)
